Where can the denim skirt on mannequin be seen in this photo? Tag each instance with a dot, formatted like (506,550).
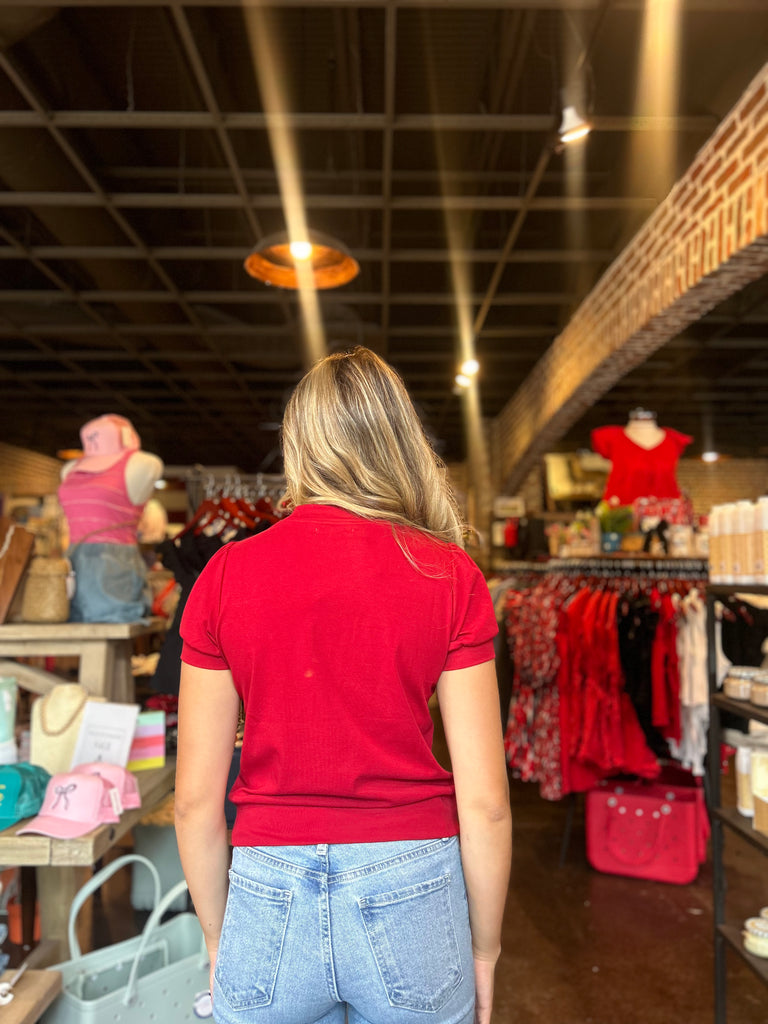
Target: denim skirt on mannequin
(377,931)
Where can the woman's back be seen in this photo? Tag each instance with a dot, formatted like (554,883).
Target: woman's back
(336,640)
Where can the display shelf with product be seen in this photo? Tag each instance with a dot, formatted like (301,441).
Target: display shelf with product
(728,932)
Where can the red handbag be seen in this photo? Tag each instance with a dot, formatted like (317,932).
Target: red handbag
(653,830)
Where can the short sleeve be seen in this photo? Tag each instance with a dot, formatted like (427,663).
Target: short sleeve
(681,441)
(603,441)
(474,623)
(199,623)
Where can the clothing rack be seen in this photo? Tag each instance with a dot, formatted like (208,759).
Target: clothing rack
(205,482)
(611,566)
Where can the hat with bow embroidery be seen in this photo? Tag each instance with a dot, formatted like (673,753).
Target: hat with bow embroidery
(74,804)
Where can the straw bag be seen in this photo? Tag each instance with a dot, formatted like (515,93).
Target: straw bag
(156,975)
(48,587)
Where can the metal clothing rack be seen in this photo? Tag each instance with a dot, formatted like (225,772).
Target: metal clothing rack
(606,567)
(202,482)
(611,566)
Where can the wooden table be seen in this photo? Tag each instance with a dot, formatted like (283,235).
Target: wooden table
(33,993)
(62,863)
(104,650)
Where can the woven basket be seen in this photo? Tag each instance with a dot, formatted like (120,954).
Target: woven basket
(45,591)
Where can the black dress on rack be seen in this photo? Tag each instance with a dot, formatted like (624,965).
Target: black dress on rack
(637,624)
(186,556)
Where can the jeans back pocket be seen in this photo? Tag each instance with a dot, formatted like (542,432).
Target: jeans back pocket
(413,940)
(251,942)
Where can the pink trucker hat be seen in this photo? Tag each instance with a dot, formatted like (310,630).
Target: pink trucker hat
(74,804)
(115,775)
(105,440)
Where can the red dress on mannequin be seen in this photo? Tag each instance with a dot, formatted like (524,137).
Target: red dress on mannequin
(638,472)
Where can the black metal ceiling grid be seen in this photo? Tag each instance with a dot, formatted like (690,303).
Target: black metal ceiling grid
(136,171)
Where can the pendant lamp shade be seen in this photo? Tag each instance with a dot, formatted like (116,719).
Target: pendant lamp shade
(276,260)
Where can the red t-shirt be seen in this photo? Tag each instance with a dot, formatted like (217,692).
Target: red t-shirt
(336,643)
(638,472)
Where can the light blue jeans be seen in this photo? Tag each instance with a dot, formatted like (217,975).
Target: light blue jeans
(110,583)
(379,930)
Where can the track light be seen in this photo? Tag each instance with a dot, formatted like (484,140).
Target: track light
(462,380)
(469,367)
(573,126)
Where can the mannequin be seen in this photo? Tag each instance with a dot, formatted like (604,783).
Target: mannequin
(103,494)
(644,458)
(643,429)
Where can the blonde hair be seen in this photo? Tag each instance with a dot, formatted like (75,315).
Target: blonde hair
(351,437)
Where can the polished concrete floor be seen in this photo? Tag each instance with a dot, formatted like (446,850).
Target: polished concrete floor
(582,947)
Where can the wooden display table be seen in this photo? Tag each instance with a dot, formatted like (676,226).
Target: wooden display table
(104,650)
(61,863)
(33,993)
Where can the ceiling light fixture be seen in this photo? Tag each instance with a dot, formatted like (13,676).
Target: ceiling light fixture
(573,126)
(710,456)
(279,261)
(462,380)
(469,367)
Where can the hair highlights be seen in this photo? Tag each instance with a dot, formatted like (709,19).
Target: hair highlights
(351,437)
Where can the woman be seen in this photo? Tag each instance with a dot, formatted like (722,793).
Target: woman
(348,890)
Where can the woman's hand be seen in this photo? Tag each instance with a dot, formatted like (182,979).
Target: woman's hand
(212,954)
(484,972)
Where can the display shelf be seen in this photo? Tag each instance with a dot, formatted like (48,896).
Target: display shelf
(742,825)
(728,589)
(732,935)
(743,708)
(727,934)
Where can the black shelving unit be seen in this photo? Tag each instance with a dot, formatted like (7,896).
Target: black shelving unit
(727,933)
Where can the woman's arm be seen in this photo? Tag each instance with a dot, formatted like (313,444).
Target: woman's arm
(208,712)
(469,707)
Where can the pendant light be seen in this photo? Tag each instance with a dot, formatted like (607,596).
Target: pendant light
(278,260)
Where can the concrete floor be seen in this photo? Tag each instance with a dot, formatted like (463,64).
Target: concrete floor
(580,947)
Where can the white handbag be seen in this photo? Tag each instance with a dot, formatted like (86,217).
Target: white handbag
(159,973)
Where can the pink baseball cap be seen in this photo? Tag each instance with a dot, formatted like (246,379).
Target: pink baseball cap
(74,804)
(115,775)
(105,440)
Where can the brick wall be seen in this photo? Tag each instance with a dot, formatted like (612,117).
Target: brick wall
(713,483)
(705,242)
(27,473)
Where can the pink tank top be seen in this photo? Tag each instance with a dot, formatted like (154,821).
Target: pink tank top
(99,502)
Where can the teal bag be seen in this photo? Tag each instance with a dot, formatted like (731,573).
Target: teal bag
(159,972)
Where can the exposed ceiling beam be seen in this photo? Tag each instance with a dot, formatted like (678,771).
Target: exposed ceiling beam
(238,355)
(416,333)
(24,297)
(554,5)
(226,253)
(231,201)
(177,120)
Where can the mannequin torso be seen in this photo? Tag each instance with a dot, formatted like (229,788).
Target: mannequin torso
(103,495)
(142,471)
(645,433)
